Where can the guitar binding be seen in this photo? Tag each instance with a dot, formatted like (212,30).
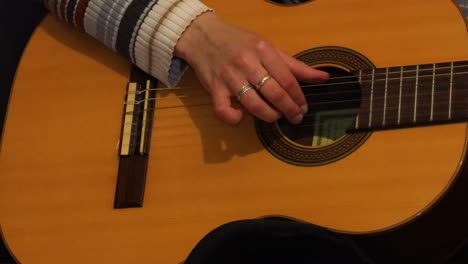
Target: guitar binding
(305,145)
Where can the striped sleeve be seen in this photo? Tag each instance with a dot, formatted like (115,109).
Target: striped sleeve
(144,31)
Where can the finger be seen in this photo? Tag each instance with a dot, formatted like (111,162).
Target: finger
(271,91)
(280,99)
(253,70)
(302,71)
(275,66)
(250,99)
(223,108)
(258,107)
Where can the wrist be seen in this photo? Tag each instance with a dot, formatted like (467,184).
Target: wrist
(192,37)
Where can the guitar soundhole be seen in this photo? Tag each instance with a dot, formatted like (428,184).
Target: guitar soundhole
(333,107)
(289,2)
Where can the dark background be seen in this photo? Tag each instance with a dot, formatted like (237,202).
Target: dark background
(18,19)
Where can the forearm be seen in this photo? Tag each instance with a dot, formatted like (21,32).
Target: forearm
(144,31)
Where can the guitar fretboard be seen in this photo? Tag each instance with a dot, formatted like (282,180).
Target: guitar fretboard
(413,95)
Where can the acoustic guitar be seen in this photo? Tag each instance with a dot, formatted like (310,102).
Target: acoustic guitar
(100,164)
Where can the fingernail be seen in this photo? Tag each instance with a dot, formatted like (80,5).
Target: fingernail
(305,108)
(297,119)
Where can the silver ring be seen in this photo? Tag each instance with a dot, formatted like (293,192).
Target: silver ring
(243,90)
(262,82)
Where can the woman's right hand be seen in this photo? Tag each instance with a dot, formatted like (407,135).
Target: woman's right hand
(227,58)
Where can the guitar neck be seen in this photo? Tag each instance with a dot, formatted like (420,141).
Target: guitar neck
(414,95)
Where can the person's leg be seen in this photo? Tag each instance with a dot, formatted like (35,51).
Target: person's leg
(275,241)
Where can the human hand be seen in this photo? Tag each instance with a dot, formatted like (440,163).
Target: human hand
(227,58)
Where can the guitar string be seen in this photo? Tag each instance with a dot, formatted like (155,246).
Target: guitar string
(346,100)
(407,118)
(454,101)
(315,85)
(376,111)
(333,78)
(342,77)
(407,115)
(311,125)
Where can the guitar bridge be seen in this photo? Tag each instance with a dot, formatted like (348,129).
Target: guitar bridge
(135,140)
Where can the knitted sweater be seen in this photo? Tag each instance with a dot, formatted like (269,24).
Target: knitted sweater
(144,31)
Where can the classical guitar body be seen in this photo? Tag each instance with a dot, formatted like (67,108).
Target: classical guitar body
(59,156)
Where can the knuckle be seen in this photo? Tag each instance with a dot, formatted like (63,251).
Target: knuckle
(240,59)
(261,45)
